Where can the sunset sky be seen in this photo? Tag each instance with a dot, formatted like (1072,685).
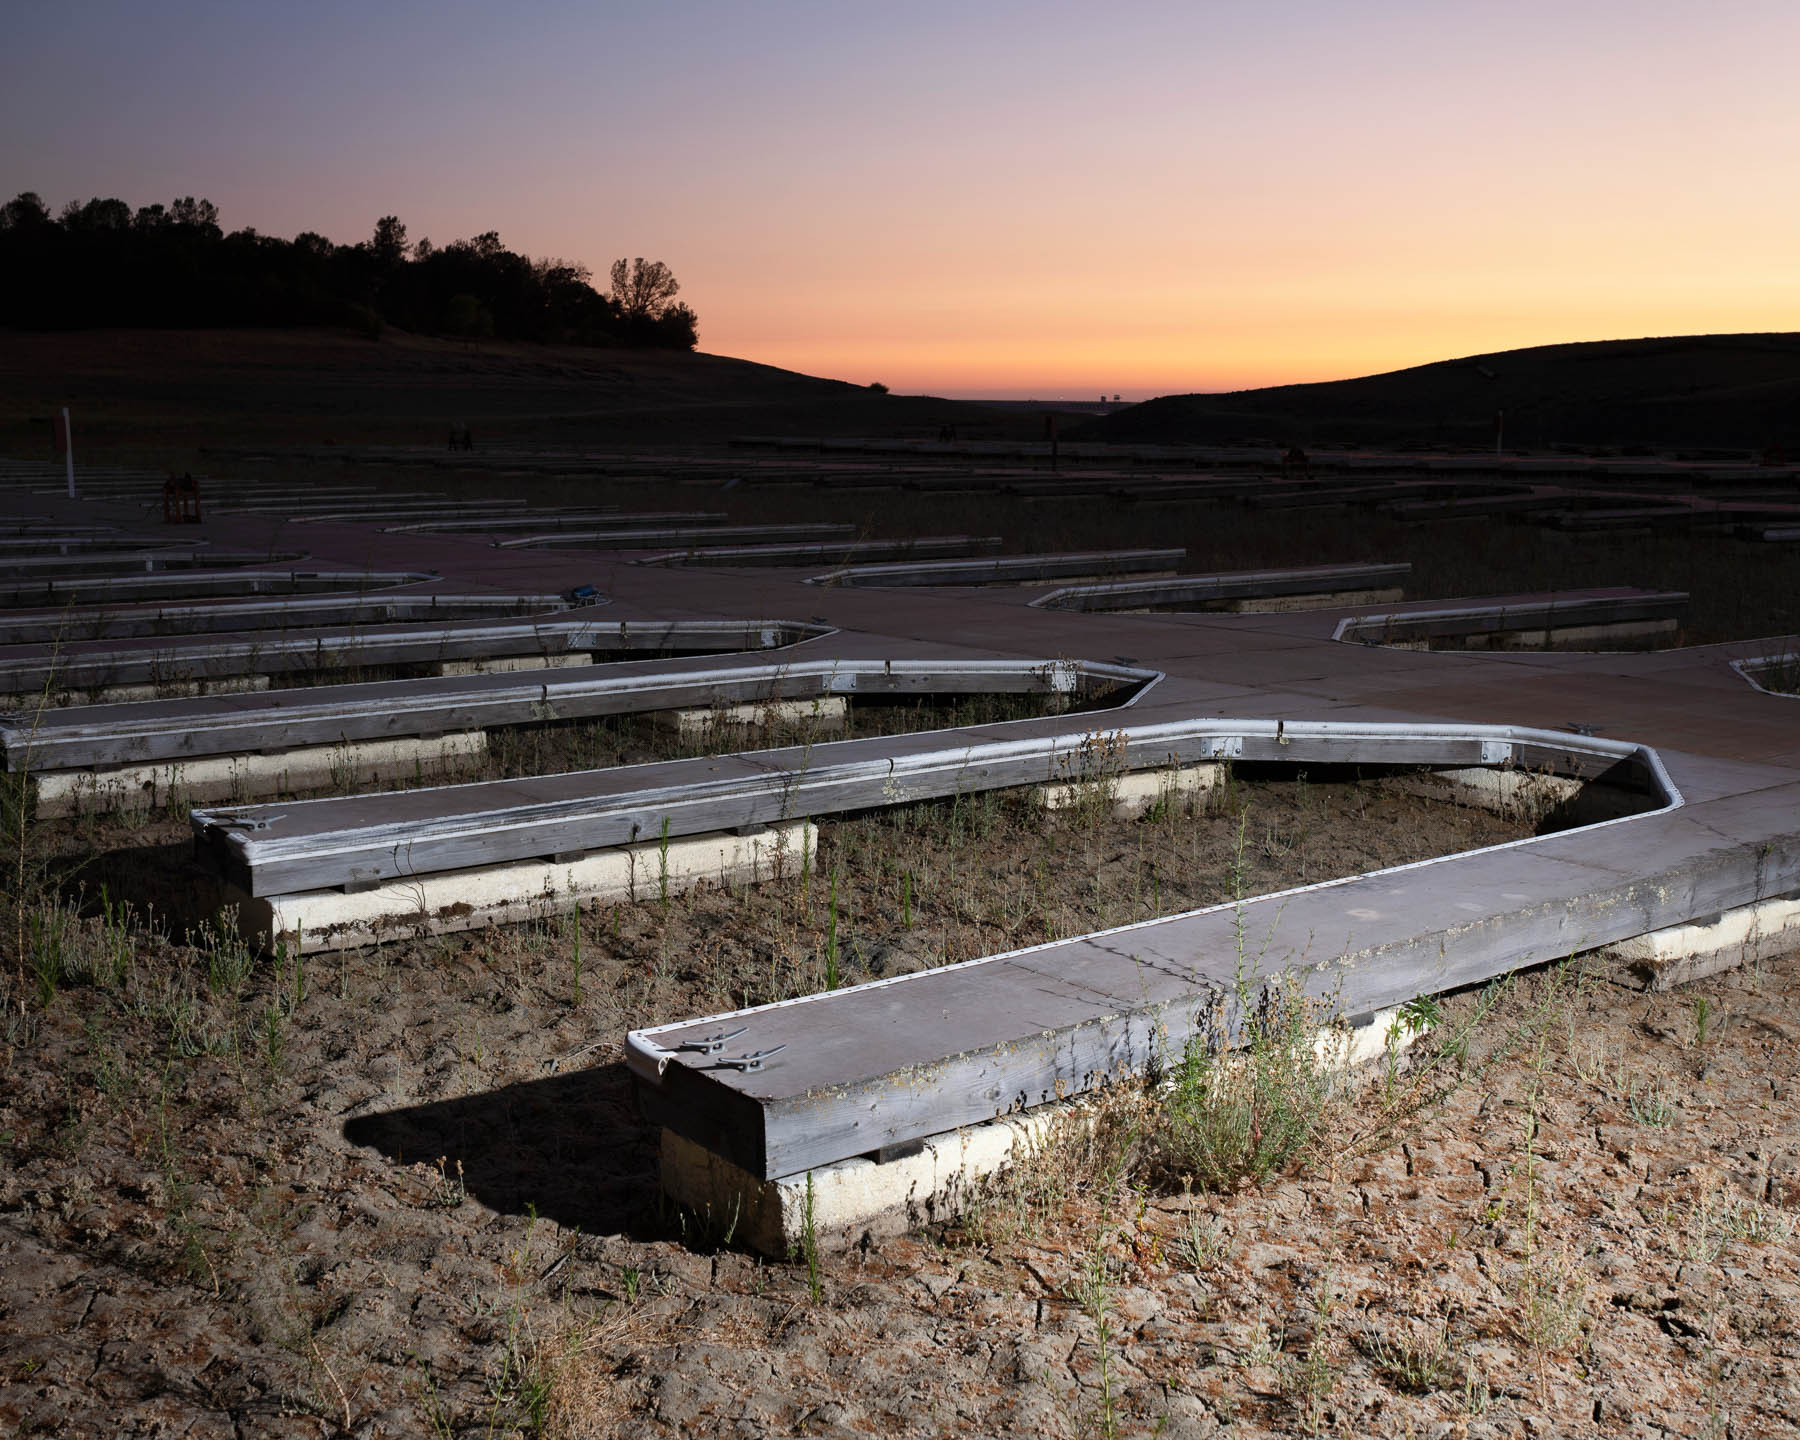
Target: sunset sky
(992,199)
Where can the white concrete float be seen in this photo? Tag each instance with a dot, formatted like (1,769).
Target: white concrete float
(1135,793)
(933,1181)
(458,900)
(234,778)
(1742,936)
(1318,600)
(825,713)
(1625,635)
(1533,795)
(1611,619)
(512,664)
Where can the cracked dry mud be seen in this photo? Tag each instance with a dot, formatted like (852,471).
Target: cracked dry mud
(405,1191)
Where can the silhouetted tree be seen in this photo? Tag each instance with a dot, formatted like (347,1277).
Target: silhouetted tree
(98,262)
(200,214)
(642,288)
(389,243)
(24,212)
(97,214)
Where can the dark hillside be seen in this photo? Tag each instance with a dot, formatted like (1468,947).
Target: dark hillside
(1738,391)
(314,385)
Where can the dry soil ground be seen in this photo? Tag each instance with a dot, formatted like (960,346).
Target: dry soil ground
(405,1191)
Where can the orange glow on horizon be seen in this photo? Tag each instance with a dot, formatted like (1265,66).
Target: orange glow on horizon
(1003,200)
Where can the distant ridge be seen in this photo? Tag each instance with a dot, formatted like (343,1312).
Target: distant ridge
(1729,391)
(314,384)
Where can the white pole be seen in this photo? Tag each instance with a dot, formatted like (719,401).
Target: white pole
(69,451)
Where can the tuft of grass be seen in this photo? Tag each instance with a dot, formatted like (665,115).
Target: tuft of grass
(65,947)
(1416,1368)
(1647,1102)
(1095,1293)
(1552,1293)
(1232,1117)
(1720,1217)
(227,958)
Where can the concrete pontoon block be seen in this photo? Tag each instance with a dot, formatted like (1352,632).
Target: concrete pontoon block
(1534,796)
(827,713)
(1315,600)
(509,664)
(1742,936)
(504,894)
(1134,793)
(210,778)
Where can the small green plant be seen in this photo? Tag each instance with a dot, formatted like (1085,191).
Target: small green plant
(1647,1102)
(1242,1115)
(1722,1216)
(662,864)
(1702,1017)
(906,900)
(575,950)
(44,952)
(1418,1016)
(832,978)
(809,1246)
(1417,1369)
(448,1193)
(1202,1244)
(1552,1295)
(227,958)
(1095,1293)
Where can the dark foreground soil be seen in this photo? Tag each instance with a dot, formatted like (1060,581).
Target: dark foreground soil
(406,1191)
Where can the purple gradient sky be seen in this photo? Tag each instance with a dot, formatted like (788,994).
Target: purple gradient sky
(1006,199)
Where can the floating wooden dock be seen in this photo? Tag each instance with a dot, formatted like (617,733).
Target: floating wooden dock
(1242,591)
(1003,569)
(1698,766)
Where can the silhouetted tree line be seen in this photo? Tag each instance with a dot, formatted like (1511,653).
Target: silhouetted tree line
(103,264)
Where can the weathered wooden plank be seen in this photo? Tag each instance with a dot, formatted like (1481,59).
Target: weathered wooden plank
(606,518)
(74,624)
(311,845)
(77,736)
(662,536)
(59,542)
(1003,569)
(77,667)
(21,594)
(939,546)
(1522,613)
(368,510)
(1222,588)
